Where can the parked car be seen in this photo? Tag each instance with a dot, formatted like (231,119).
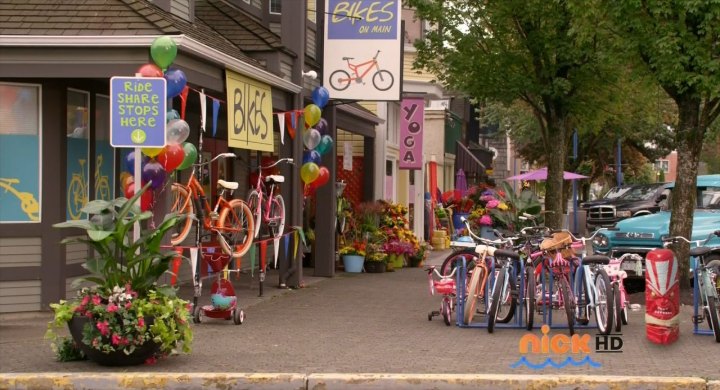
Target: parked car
(644,233)
(610,194)
(635,200)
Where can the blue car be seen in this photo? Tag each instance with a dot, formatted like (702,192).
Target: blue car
(644,233)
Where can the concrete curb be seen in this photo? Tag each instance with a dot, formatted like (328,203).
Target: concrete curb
(341,381)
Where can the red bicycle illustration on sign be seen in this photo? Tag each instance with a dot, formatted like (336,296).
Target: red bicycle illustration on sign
(382,79)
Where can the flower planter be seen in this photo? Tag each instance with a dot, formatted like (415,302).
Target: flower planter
(375,267)
(396,260)
(353,263)
(117,358)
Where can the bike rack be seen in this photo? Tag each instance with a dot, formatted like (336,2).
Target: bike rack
(517,322)
(696,305)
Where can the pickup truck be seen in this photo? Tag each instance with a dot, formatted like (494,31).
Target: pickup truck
(636,200)
(644,233)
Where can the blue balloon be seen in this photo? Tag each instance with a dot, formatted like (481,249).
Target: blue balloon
(320,96)
(130,161)
(176,82)
(172,114)
(312,156)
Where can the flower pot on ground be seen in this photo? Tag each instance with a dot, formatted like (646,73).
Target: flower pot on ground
(126,311)
(353,263)
(375,262)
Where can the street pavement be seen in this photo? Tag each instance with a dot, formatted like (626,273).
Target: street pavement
(363,323)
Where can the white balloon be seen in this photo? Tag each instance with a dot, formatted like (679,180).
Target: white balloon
(177,131)
(311,138)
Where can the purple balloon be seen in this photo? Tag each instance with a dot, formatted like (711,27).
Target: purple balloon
(154,173)
(130,161)
(322,127)
(176,82)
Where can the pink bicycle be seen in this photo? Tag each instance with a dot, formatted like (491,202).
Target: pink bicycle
(445,285)
(616,271)
(267,207)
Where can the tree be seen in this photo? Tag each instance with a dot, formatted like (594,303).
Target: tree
(518,50)
(677,42)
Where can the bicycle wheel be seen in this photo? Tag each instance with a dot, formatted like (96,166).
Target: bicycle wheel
(472,294)
(383,80)
(340,80)
(506,310)
(713,315)
(277,216)
(604,304)
(253,202)
(75,198)
(455,259)
(568,298)
(581,308)
(529,297)
(236,227)
(181,204)
(618,307)
(445,308)
(102,189)
(498,291)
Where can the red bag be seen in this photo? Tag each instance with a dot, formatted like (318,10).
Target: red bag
(662,297)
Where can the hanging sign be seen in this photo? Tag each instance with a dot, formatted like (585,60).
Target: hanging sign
(347,156)
(250,122)
(137,112)
(412,117)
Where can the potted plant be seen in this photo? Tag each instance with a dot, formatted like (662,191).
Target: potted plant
(353,256)
(124,317)
(375,257)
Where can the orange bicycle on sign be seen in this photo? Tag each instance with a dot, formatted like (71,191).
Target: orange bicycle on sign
(382,79)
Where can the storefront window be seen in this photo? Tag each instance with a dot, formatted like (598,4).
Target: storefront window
(20,139)
(78,110)
(104,153)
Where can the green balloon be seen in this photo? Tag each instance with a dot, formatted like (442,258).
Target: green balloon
(163,51)
(190,156)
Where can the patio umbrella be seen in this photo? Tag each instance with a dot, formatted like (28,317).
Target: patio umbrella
(460,183)
(541,174)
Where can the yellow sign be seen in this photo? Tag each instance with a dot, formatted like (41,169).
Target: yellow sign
(250,123)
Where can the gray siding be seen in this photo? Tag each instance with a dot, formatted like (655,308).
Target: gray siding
(275,27)
(310,48)
(19,296)
(20,252)
(286,70)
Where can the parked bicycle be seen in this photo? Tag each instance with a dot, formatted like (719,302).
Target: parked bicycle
(502,297)
(616,271)
(445,285)
(382,79)
(231,220)
(707,281)
(343,207)
(268,208)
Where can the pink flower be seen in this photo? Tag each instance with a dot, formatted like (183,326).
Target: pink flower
(492,204)
(112,308)
(116,339)
(85,300)
(88,314)
(103,327)
(486,220)
(80,308)
(151,360)
(96,300)
(95,342)
(128,305)
(141,322)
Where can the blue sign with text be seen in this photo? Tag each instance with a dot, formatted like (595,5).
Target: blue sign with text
(357,19)
(137,112)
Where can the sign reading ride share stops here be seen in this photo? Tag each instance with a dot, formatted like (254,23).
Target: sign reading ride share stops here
(137,112)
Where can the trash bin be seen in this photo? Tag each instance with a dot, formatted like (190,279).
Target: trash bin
(662,297)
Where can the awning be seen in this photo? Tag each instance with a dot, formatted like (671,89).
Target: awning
(472,162)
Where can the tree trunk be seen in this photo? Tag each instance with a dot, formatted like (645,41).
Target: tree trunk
(556,164)
(688,140)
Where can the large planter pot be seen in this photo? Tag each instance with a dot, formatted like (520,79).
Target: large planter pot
(353,263)
(117,358)
(398,261)
(375,267)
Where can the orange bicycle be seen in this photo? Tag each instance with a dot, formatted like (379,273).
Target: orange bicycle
(231,220)
(382,79)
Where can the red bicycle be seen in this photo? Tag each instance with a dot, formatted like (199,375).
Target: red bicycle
(382,79)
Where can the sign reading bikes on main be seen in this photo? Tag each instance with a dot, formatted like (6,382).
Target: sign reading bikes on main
(412,117)
(137,112)
(363,46)
(249,113)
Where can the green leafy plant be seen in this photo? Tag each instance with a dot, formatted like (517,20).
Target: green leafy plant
(521,203)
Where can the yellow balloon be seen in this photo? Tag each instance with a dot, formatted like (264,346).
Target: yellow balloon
(309,172)
(312,114)
(151,152)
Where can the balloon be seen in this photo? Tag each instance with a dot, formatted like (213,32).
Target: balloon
(325,144)
(323,177)
(171,157)
(311,138)
(151,152)
(146,199)
(322,127)
(190,156)
(125,179)
(176,82)
(177,131)
(150,70)
(320,96)
(309,172)
(311,156)
(130,161)
(155,174)
(312,114)
(163,51)
(172,114)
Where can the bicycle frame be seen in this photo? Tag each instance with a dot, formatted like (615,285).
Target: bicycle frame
(354,67)
(705,290)
(202,205)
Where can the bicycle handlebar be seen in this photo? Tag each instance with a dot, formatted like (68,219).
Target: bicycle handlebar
(475,237)
(671,240)
(221,155)
(583,239)
(288,160)
(434,270)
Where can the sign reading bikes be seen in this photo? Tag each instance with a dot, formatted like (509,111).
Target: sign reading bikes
(412,112)
(363,46)
(249,113)
(137,112)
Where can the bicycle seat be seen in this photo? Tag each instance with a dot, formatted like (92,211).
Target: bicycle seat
(485,249)
(348,58)
(596,259)
(275,179)
(230,185)
(507,253)
(700,251)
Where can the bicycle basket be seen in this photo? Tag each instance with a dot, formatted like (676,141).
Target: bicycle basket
(559,241)
(216,259)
